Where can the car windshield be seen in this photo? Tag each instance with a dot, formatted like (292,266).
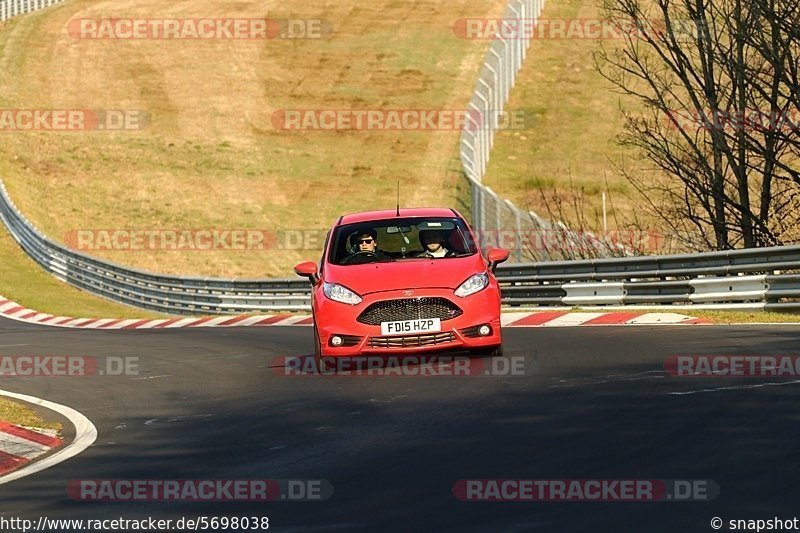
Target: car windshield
(401,239)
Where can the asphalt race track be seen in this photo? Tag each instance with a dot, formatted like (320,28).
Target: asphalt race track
(593,403)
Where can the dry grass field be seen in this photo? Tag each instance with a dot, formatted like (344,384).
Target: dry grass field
(209,156)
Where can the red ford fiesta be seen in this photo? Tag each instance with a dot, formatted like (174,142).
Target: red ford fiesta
(401,282)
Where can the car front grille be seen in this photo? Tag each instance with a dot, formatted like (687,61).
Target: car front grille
(412,341)
(409,309)
(471,331)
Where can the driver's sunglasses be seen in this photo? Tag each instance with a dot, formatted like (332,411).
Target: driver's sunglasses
(365,241)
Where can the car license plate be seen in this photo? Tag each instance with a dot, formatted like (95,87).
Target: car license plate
(400,327)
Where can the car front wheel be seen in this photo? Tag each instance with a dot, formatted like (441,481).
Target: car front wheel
(496,351)
(321,364)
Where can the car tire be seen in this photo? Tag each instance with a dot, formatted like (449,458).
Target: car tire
(496,351)
(321,364)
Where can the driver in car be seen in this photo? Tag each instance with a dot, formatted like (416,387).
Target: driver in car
(367,242)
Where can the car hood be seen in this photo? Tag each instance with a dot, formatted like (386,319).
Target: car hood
(405,274)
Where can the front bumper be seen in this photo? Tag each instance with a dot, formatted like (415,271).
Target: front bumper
(458,333)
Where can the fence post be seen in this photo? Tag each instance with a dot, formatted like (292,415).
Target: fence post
(12,8)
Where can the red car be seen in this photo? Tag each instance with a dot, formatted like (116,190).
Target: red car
(404,281)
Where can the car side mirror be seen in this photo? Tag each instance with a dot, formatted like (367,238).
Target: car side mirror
(307,270)
(496,256)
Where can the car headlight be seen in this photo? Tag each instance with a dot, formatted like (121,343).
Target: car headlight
(474,284)
(340,294)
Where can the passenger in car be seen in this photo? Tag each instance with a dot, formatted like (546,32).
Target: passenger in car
(433,242)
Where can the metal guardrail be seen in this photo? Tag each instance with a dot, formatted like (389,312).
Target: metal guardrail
(492,215)
(12,8)
(751,278)
(168,294)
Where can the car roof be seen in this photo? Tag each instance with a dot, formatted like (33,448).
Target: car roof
(370,216)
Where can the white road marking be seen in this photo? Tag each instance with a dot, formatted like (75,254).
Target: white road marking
(572,319)
(7,306)
(152,323)
(217,320)
(508,318)
(54,319)
(659,318)
(181,322)
(737,387)
(85,435)
(77,322)
(251,320)
(126,322)
(291,320)
(101,322)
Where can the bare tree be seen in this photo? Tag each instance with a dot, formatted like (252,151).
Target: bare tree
(716,87)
